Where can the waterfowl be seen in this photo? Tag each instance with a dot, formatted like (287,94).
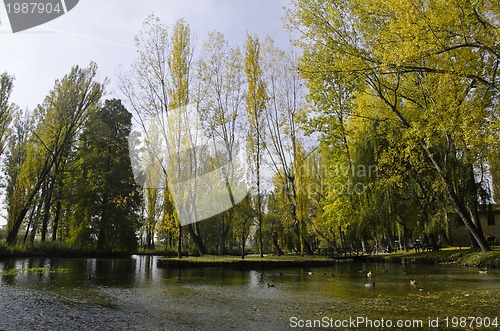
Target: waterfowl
(412,282)
(483,272)
(270,285)
(309,273)
(369,274)
(367,285)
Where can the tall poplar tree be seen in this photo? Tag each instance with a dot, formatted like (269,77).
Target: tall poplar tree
(284,106)
(6,108)
(146,91)
(256,105)
(158,84)
(220,71)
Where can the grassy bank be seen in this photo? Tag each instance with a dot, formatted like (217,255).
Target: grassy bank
(250,262)
(465,257)
(53,249)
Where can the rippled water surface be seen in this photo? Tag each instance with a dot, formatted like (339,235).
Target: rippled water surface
(132,294)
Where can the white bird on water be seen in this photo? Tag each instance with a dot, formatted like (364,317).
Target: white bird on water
(483,272)
(369,274)
(369,285)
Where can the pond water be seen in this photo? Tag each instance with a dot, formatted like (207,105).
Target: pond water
(133,294)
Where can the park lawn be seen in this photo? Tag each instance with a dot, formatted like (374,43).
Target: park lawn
(466,257)
(251,261)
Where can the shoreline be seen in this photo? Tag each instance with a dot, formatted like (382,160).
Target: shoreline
(250,262)
(462,257)
(62,255)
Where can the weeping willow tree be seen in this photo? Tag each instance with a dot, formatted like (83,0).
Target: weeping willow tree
(431,64)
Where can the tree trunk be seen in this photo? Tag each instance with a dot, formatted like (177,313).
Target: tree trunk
(47,194)
(33,233)
(259,219)
(434,242)
(223,231)
(474,214)
(307,247)
(462,212)
(444,237)
(276,245)
(12,235)
(198,242)
(27,230)
(459,206)
(243,240)
(18,220)
(57,217)
(29,224)
(179,243)
(405,238)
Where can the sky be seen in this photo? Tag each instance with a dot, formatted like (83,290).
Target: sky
(103,31)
